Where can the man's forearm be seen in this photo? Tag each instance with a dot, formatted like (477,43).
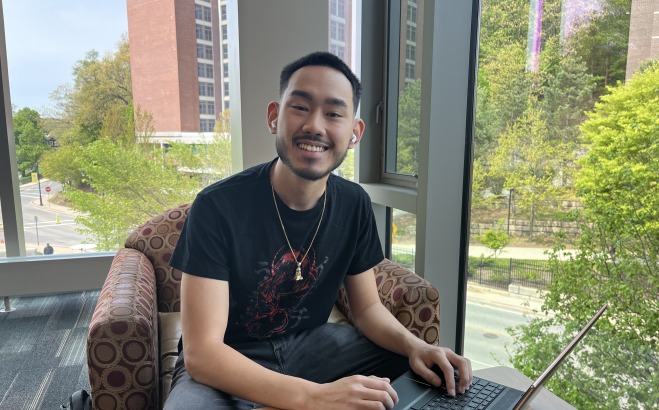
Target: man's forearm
(227,370)
(383,329)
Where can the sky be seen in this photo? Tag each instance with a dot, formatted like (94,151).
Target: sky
(45,38)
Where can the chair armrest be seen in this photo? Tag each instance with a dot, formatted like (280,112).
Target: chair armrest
(122,350)
(410,298)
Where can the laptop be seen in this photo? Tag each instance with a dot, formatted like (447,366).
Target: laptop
(414,393)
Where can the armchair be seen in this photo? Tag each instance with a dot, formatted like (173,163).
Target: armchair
(135,328)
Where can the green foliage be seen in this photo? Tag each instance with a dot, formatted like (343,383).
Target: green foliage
(601,42)
(527,161)
(29,137)
(495,239)
(617,260)
(124,187)
(409,128)
(96,104)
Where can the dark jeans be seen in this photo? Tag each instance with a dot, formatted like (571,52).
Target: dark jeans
(324,354)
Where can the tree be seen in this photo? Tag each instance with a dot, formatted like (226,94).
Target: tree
(409,128)
(495,240)
(601,40)
(29,137)
(528,163)
(126,187)
(617,261)
(97,103)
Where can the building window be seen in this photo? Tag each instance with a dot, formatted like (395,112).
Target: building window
(338,8)
(223,11)
(410,52)
(205,70)
(225,51)
(337,31)
(411,13)
(409,71)
(225,68)
(206,89)
(338,51)
(204,32)
(202,12)
(206,125)
(207,107)
(226,91)
(224,32)
(226,104)
(411,33)
(204,51)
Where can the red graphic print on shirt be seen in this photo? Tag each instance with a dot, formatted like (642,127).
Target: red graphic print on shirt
(279,294)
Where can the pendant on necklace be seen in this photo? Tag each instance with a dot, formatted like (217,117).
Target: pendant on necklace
(298,272)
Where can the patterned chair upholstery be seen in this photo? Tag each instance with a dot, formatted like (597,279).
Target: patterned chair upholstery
(133,335)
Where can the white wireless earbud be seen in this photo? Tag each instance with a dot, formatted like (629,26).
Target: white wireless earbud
(353,139)
(273,124)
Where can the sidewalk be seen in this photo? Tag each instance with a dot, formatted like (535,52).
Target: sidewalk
(526,304)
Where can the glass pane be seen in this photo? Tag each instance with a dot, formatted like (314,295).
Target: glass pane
(117,118)
(37,75)
(403,238)
(342,27)
(402,154)
(565,196)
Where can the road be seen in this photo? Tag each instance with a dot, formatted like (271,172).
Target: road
(485,334)
(61,235)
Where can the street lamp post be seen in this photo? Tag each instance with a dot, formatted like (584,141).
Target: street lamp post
(510,196)
(39,183)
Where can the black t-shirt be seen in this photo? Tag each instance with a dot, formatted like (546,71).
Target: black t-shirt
(233,233)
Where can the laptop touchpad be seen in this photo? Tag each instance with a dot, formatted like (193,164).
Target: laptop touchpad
(409,390)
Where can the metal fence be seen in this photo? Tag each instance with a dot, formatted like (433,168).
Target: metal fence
(497,273)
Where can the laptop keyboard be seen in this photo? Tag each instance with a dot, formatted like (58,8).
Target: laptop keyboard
(479,396)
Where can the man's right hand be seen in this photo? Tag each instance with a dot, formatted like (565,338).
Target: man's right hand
(354,392)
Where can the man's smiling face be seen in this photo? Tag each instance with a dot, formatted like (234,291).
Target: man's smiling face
(314,121)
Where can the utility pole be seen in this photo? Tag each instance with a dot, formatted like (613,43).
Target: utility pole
(39,182)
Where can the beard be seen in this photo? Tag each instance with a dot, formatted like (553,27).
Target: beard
(308,174)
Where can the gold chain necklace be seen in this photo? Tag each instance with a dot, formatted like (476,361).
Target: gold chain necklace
(298,271)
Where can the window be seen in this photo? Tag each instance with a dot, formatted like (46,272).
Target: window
(223,9)
(206,125)
(225,70)
(202,12)
(337,8)
(205,70)
(204,51)
(409,71)
(207,107)
(225,35)
(226,91)
(337,31)
(411,33)
(410,52)
(338,51)
(411,13)
(226,104)
(206,89)
(204,32)
(225,51)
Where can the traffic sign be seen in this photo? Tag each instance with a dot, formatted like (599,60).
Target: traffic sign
(47,189)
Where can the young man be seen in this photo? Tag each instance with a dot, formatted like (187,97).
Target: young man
(264,253)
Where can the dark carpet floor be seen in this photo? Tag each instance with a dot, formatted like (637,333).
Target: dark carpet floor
(43,350)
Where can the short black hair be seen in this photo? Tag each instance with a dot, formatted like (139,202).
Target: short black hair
(324,59)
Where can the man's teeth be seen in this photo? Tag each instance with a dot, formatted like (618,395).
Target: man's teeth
(311,148)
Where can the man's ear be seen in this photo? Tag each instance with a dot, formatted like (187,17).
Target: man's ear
(357,131)
(273,116)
